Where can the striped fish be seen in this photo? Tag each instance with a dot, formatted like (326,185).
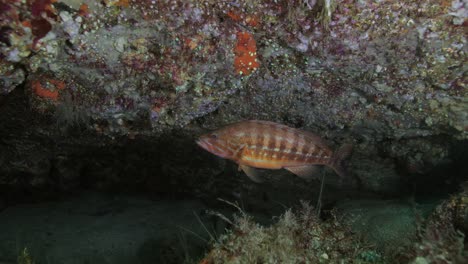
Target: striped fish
(269,145)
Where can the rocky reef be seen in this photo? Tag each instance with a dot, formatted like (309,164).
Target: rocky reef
(389,76)
(111,94)
(297,237)
(300,237)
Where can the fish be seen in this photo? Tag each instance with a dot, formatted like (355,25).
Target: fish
(257,144)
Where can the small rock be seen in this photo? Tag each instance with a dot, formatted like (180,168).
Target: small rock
(433,104)
(420,260)
(378,69)
(324,256)
(428,121)
(382,87)
(120,44)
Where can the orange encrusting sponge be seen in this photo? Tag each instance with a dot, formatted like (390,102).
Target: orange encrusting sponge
(44,92)
(245,51)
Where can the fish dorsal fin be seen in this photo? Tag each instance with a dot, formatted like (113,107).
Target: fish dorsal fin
(252,173)
(308,172)
(264,122)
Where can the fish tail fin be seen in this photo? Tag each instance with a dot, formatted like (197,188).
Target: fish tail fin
(339,160)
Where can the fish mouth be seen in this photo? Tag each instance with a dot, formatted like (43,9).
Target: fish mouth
(203,143)
(208,145)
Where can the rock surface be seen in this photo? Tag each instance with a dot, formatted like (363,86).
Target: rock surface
(103,79)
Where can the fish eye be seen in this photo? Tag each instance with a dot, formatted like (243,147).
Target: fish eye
(214,136)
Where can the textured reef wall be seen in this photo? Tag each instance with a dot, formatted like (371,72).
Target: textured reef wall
(389,76)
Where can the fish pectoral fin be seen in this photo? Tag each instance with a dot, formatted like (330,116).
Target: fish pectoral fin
(239,151)
(252,173)
(308,172)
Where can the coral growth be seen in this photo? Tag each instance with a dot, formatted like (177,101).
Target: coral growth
(441,240)
(120,3)
(248,20)
(297,237)
(11,77)
(25,257)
